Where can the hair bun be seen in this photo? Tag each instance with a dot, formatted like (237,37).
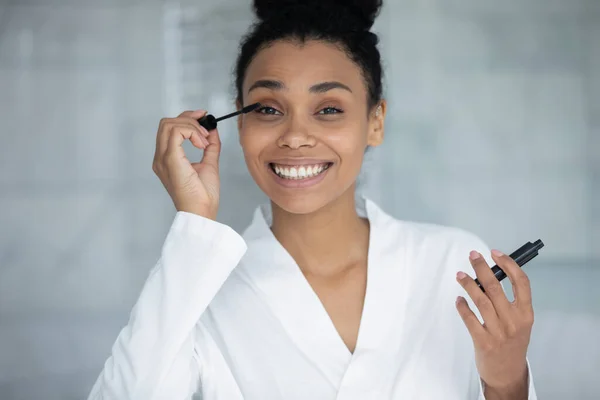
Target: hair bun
(364,11)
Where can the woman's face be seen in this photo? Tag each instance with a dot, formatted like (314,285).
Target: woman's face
(305,146)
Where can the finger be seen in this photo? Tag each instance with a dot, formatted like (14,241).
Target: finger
(482,302)
(191,133)
(492,286)
(213,151)
(193,114)
(167,123)
(469,318)
(518,278)
(178,134)
(192,118)
(162,137)
(203,131)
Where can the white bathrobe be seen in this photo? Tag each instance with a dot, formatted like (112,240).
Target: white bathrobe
(233,317)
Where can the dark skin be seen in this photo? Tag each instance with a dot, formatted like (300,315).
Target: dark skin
(501,342)
(301,123)
(309,117)
(341,285)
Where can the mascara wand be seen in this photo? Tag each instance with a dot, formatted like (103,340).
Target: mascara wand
(210,122)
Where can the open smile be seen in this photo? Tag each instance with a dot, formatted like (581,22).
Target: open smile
(299,175)
(299,172)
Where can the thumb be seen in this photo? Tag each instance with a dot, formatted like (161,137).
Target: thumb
(213,150)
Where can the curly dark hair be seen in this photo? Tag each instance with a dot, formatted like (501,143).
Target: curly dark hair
(344,23)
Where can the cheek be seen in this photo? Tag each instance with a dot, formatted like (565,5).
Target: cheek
(253,144)
(348,143)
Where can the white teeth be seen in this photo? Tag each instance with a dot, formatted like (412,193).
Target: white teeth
(300,172)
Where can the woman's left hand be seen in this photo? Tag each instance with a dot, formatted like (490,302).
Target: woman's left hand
(501,341)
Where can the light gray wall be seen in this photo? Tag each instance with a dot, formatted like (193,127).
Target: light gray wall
(494,126)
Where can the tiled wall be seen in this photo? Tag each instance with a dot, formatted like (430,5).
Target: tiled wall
(494,126)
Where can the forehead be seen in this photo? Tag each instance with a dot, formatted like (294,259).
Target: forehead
(304,64)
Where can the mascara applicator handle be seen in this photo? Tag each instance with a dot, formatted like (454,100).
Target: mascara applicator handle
(209,122)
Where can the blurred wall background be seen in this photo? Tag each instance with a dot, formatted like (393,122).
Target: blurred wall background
(494,126)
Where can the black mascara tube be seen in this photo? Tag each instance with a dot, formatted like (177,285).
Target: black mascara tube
(522,256)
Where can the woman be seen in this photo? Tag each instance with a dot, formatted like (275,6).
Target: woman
(325,296)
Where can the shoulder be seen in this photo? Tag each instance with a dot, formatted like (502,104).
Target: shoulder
(414,233)
(425,246)
(442,236)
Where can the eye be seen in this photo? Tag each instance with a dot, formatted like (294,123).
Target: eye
(267,111)
(330,110)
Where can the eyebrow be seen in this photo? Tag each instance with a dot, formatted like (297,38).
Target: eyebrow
(318,88)
(267,84)
(327,86)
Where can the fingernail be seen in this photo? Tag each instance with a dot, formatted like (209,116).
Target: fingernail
(474,255)
(206,143)
(461,275)
(459,299)
(497,253)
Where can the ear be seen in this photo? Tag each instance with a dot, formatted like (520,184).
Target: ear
(377,124)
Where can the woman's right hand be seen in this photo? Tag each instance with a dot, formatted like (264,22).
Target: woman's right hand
(194,187)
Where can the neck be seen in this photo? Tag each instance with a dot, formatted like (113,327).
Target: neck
(327,241)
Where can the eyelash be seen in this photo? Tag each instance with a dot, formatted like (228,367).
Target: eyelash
(261,109)
(337,110)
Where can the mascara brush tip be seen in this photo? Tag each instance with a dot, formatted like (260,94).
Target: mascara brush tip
(250,108)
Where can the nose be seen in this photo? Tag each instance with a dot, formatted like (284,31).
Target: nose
(296,136)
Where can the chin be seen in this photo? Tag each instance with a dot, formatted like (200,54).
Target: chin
(301,204)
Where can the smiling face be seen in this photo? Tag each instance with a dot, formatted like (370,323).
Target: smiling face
(305,146)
